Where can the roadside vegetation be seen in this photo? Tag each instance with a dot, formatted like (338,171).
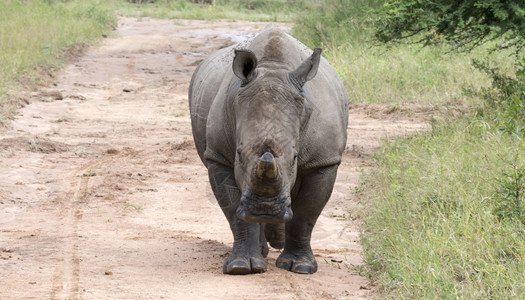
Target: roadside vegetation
(444,211)
(36,36)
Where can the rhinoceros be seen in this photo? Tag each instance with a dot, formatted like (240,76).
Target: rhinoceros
(269,119)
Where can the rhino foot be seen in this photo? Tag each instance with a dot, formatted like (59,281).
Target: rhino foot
(241,265)
(297,263)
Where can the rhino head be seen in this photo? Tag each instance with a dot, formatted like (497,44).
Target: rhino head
(269,110)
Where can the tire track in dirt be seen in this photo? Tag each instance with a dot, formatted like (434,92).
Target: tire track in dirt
(104,196)
(66,278)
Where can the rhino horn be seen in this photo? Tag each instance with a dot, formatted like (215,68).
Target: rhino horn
(308,68)
(267,167)
(244,64)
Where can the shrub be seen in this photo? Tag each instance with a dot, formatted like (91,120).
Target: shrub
(505,98)
(465,24)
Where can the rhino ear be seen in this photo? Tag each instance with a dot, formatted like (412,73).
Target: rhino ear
(308,69)
(244,64)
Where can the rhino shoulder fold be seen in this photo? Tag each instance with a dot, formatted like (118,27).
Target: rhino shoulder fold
(210,155)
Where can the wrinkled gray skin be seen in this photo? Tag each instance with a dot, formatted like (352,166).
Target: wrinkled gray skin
(269,121)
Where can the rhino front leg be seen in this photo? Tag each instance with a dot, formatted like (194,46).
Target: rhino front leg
(313,192)
(249,245)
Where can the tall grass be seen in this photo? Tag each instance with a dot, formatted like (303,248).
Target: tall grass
(37,32)
(434,227)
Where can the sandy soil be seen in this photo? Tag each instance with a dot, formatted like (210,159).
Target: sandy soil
(102,194)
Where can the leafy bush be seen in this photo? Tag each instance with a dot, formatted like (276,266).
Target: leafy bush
(466,24)
(505,98)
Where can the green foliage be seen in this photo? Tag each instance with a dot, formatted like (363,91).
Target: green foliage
(465,24)
(443,219)
(506,97)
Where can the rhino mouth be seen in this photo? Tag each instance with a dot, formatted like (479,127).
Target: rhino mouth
(265,209)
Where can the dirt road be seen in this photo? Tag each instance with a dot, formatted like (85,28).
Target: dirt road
(102,194)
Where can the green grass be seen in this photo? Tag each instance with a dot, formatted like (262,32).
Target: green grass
(36,33)
(433,227)
(405,74)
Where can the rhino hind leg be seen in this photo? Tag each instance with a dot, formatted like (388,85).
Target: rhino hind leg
(249,243)
(274,234)
(312,194)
